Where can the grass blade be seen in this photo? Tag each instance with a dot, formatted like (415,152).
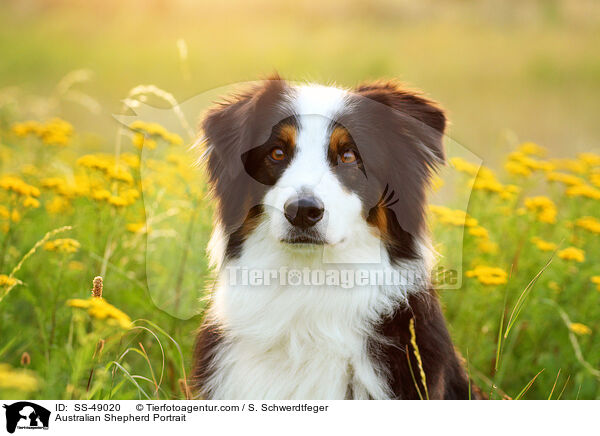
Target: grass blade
(526,388)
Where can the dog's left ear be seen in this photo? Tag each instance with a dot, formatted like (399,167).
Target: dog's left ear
(240,122)
(412,107)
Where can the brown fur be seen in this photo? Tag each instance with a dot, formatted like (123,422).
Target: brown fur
(446,378)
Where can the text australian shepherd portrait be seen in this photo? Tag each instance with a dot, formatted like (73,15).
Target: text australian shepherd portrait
(316,180)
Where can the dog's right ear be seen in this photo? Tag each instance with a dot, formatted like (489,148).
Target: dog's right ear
(240,123)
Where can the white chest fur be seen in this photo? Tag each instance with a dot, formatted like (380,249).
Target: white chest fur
(297,341)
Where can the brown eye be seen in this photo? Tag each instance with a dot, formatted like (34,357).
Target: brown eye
(277,154)
(348,157)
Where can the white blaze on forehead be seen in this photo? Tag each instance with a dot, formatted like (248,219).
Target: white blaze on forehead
(318,100)
(316,107)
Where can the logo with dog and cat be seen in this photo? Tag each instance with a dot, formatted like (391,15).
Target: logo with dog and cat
(25,415)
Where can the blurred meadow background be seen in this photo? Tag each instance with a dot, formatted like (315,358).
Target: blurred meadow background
(82,195)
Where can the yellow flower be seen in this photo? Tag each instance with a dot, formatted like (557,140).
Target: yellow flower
(590,159)
(565,178)
(173,139)
(117,201)
(98,308)
(26,127)
(137,227)
(130,195)
(595,179)
(66,245)
(95,161)
(487,247)
(479,232)
(580,329)
(31,202)
(57,205)
(572,165)
(509,191)
(589,223)
(539,202)
(532,148)
(140,141)
(488,275)
(452,217)
(543,207)
(528,162)
(487,184)
(101,194)
(119,173)
(56,132)
(486,181)
(517,169)
(572,253)
(52,182)
(131,160)
(464,166)
(7,281)
(17,379)
(14,184)
(543,245)
(547,216)
(583,191)
(53,132)
(596,280)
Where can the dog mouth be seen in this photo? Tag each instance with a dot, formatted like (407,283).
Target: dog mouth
(304,237)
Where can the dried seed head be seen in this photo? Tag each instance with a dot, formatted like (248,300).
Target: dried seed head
(25,359)
(97,289)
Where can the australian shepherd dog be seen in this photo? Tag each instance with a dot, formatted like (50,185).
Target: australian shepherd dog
(320,247)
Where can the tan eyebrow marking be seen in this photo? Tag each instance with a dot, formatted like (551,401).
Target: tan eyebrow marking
(339,138)
(287,134)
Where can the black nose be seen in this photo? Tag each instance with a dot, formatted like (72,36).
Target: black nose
(304,212)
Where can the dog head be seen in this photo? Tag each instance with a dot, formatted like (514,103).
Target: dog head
(310,165)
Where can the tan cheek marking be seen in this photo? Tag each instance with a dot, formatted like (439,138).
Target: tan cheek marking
(339,137)
(380,222)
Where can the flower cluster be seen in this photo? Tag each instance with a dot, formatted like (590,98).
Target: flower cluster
(543,245)
(54,132)
(17,379)
(452,217)
(572,253)
(18,186)
(98,308)
(488,275)
(483,179)
(589,223)
(543,207)
(7,281)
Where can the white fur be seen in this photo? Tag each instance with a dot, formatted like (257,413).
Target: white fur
(304,342)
